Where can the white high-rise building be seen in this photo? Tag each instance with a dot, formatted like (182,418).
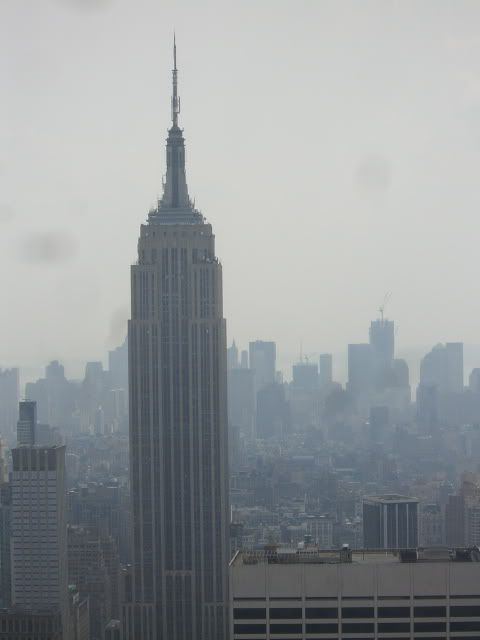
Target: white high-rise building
(178,420)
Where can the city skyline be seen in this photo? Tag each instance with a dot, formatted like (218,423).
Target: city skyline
(388,154)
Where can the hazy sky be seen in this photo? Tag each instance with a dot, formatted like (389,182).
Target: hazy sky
(334,146)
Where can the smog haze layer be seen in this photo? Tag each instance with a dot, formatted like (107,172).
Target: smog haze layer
(333,145)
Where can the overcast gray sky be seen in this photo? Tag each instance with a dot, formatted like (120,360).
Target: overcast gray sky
(334,145)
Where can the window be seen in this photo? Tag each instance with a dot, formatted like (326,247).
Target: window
(249,614)
(430,612)
(393,612)
(357,627)
(321,612)
(250,628)
(465,611)
(393,627)
(285,628)
(329,627)
(466,625)
(430,626)
(357,612)
(286,613)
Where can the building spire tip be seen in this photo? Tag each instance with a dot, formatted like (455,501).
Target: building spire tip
(175,98)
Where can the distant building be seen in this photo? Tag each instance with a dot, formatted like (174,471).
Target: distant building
(241,400)
(305,376)
(27,422)
(382,342)
(390,522)
(55,396)
(244,359)
(326,369)
(474,381)
(118,366)
(3,463)
(454,353)
(455,520)
(262,359)
(273,412)
(442,368)
(9,395)
(379,421)
(320,529)
(427,406)
(232,357)
(360,368)
(431,526)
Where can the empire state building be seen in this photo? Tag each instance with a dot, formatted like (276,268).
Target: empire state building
(178,423)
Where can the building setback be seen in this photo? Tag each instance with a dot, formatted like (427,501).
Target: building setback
(178,420)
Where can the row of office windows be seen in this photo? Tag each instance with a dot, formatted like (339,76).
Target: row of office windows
(356,627)
(296,613)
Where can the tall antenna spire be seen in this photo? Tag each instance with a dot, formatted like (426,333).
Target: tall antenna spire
(175,98)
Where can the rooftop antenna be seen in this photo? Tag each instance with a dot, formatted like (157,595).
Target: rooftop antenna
(175,98)
(384,304)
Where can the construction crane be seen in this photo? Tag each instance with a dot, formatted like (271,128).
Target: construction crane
(384,304)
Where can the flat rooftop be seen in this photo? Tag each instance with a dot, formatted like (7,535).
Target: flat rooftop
(313,555)
(389,498)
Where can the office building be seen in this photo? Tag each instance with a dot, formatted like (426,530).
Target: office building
(273,412)
(27,422)
(3,463)
(454,357)
(442,368)
(9,394)
(305,376)
(360,368)
(326,369)
(17,624)
(39,530)
(5,535)
(390,522)
(431,526)
(262,359)
(382,341)
(178,420)
(118,366)
(306,594)
(232,357)
(241,400)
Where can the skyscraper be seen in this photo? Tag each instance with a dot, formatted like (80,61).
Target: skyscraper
(360,368)
(9,391)
(262,357)
(39,530)
(27,422)
(326,369)
(390,522)
(178,419)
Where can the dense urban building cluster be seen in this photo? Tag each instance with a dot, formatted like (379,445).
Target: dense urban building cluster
(191,491)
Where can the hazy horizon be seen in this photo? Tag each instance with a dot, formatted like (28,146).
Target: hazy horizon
(335,158)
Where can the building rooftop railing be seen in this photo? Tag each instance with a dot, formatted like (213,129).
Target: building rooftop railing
(314,555)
